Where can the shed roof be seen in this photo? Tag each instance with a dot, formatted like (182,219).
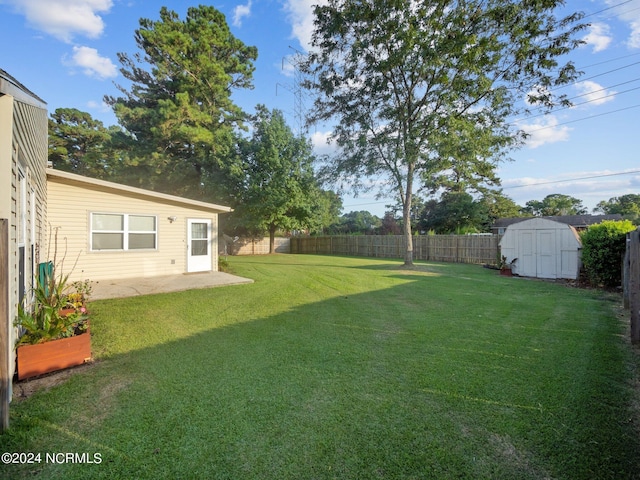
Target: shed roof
(95,184)
(543,223)
(10,86)
(576,221)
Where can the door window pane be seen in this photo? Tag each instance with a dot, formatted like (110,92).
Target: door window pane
(199,247)
(199,230)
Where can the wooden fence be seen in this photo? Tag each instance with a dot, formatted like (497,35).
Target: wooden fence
(438,248)
(252,246)
(5,322)
(631,282)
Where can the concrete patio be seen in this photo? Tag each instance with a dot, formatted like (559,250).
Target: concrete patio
(131,287)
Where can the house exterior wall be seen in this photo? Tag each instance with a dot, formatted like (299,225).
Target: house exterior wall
(543,248)
(23,194)
(70,205)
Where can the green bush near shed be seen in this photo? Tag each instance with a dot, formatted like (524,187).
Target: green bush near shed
(603,247)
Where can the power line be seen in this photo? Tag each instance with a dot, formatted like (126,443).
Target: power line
(573,179)
(608,8)
(585,118)
(604,73)
(550,182)
(609,61)
(613,94)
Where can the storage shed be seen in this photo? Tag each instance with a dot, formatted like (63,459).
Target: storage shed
(543,249)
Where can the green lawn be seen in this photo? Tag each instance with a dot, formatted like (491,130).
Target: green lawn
(347,368)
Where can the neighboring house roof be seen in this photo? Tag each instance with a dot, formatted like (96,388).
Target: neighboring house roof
(576,221)
(93,183)
(10,86)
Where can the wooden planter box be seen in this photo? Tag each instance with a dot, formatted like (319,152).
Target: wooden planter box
(55,355)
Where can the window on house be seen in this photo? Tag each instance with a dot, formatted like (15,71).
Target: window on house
(111,231)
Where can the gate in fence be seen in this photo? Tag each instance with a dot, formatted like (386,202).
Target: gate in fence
(631,282)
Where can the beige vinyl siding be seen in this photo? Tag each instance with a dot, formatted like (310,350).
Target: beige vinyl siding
(70,205)
(23,148)
(30,148)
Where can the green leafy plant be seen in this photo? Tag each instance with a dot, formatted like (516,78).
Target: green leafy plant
(46,320)
(502,263)
(223,264)
(603,246)
(57,310)
(81,291)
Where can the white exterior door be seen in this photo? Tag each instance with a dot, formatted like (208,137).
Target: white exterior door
(198,245)
(546,254)
(526,264)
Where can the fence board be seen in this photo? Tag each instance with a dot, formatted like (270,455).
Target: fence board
(440,248)
(633,247)
(5,323)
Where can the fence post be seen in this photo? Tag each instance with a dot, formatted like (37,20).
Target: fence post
(625,273)
(5,347)
(634,285)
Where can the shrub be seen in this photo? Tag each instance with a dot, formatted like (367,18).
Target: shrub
(223,265)
(603,247)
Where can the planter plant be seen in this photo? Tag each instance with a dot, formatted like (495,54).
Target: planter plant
(506,268)
(54,328)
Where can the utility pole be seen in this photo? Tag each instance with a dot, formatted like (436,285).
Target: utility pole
(296,61)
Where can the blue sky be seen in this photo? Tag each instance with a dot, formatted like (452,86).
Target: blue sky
(65,51)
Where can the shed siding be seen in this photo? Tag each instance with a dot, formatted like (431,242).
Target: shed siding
(544,249)
(70,206)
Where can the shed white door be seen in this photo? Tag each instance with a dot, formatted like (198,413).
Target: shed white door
(526,264)
(546,246)
(198,245)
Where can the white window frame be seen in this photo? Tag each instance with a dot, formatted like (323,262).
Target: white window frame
(125,232)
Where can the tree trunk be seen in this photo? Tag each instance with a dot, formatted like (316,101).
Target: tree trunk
(406,217)
(408,255)
(272,239)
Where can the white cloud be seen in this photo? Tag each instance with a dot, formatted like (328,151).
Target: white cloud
(598,37)
(300,15)
(320,143)
(634,37)
(240,12)
(589,186)
(544,130)
(630,16)
(92,63)
(98,106)
(594,93)
(64,19)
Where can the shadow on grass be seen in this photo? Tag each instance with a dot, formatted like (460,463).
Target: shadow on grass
(405,382)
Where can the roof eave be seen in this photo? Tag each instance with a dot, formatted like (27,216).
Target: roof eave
(79,179)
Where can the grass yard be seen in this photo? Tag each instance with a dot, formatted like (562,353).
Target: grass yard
(346,368)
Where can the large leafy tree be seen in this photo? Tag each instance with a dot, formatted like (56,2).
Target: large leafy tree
(279,189)
(358,222)
(456,212)
(626,205)
(327,213)
(497,205)
(554,205)
(78,143)
(418,86)
(178,107)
